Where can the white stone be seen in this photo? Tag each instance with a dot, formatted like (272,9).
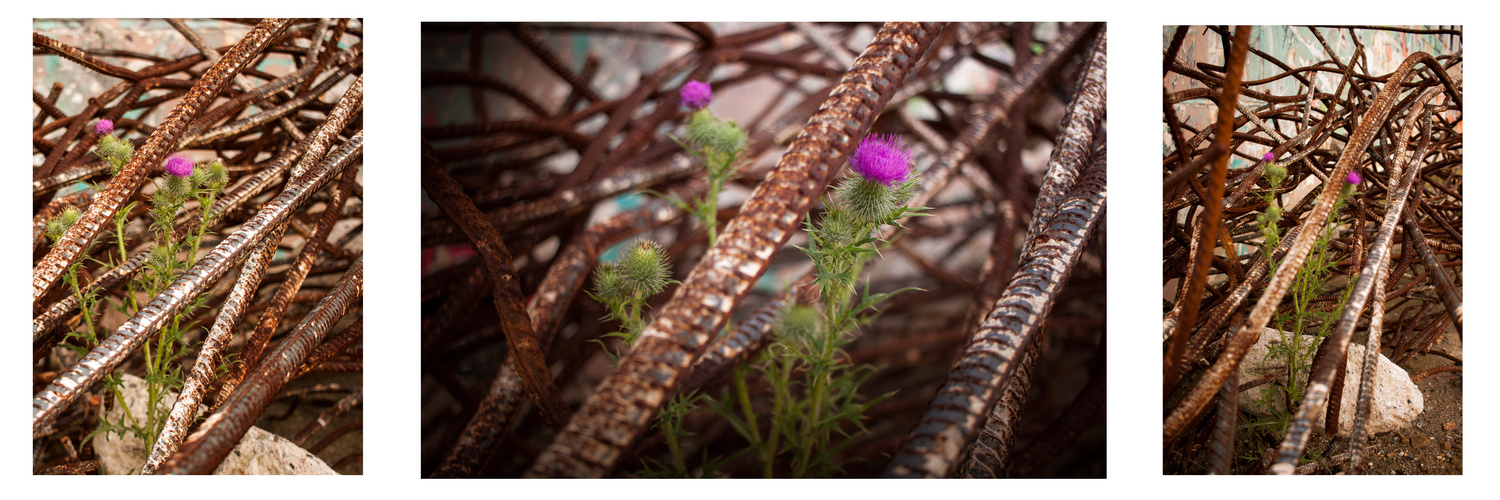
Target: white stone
(1395,404)
(259,452)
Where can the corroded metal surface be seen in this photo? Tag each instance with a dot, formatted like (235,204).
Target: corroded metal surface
(505,288)
(208,446)
(957,412)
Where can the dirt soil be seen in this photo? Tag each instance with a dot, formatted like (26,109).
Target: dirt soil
(1434,444)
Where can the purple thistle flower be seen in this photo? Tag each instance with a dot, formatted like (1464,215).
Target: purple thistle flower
(882,159)
(696,94)
(1353,177)
(179,165)
(104,127)
(1269,156)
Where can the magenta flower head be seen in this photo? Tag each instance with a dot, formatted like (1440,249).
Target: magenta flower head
(1353,177)
(104,127)
(1269,156)
(882,159)
(696,94)
(179,166)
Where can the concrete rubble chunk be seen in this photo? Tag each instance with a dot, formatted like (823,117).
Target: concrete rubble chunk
(258,453)
(1396,401)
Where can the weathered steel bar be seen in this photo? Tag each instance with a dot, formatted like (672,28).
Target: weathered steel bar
(950,425)
(506,288)
(207,447)
(1192,294)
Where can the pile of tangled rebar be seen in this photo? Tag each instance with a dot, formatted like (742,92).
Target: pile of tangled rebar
(1398,236)
(997,366)
(283,253)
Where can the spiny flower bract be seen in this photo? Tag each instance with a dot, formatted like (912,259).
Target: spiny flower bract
(644,267)
(114,149)
(704,129)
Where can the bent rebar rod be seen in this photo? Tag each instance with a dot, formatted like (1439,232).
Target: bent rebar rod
(948,428)
(505,287)
(620,411)
(69,248)
(205,449)
(50,402)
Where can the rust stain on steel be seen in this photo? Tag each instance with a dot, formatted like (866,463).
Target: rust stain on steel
(949,426)
(1076,137)
(72,53)
(148,157)
(507,290)
(205,449)
(311,149)
(48,403)
(594,442)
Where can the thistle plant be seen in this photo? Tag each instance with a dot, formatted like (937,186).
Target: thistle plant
(111,149)
(169,258)
(806,411)
(1295,349)
(719,143)
(624,287)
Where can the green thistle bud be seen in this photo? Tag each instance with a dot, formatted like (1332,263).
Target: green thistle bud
(645,268)
(1275,172)
(161,257)
(64,221)
(1273,214)
(841,228)
(801,327)
(116,151)
(704,129)
(177,188)
(216,176)
(609,281)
